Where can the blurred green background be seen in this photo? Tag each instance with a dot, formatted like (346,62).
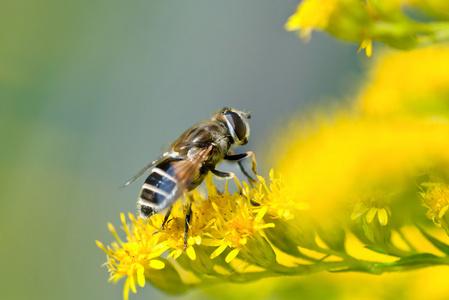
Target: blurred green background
(90,90)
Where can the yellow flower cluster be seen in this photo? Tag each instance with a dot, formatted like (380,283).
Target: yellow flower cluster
(221,223)
(366,21)
(435,195)
(129,259)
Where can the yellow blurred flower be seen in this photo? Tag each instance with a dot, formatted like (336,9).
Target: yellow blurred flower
(436,199)
(344,18)
(325,166)
(370,204)
(310,15)
(414,82)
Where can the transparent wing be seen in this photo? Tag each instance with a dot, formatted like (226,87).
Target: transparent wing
(149,166)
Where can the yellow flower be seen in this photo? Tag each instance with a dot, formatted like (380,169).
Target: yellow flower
(344,18)
(413,83)
(275,199)
(366,44)
(436,199)
(235,225)
(325,166)
(131,258)
(365,21)
(222,219)
(310,15)
(371,204)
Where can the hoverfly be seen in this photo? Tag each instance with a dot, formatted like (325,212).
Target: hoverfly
(190,158)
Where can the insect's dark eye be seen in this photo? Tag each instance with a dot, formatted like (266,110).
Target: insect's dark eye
(237,124)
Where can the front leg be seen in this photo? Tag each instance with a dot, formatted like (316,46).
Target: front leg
(228,175)
(239,157)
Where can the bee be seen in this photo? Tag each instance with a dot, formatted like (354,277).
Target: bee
(190,158)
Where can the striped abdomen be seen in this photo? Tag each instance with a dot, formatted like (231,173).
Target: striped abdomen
(160,189)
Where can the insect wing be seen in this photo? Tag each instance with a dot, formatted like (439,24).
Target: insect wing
(170,179)
(149,166)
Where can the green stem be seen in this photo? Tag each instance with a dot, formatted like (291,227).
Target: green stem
(353,265)
(334,253)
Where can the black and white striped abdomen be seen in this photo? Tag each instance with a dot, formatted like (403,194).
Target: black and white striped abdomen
(160,189)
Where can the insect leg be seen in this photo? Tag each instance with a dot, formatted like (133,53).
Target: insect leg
(186,229)
(228,175)
(239,157)
(167,215)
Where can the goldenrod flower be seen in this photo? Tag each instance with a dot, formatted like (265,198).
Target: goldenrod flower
(221,221)
(130,259)
(341,17)
(238,225)
(366,44)
(372,204)
(436,199)
(366,21)
(275,198)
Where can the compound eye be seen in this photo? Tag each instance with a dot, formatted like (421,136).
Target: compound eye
(237,123)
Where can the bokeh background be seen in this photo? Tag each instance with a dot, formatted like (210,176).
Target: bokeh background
(91,90)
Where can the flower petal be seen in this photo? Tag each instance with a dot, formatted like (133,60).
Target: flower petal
(443,211)
(268,225)
(126,290)
(132,284)
(382,216)
(177,254)
(156,264)
(260,214)
(232,255)
(370,215)
(140,275)
(358,211)
(218,251)
(191,253)
(100,245)
(114,233)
